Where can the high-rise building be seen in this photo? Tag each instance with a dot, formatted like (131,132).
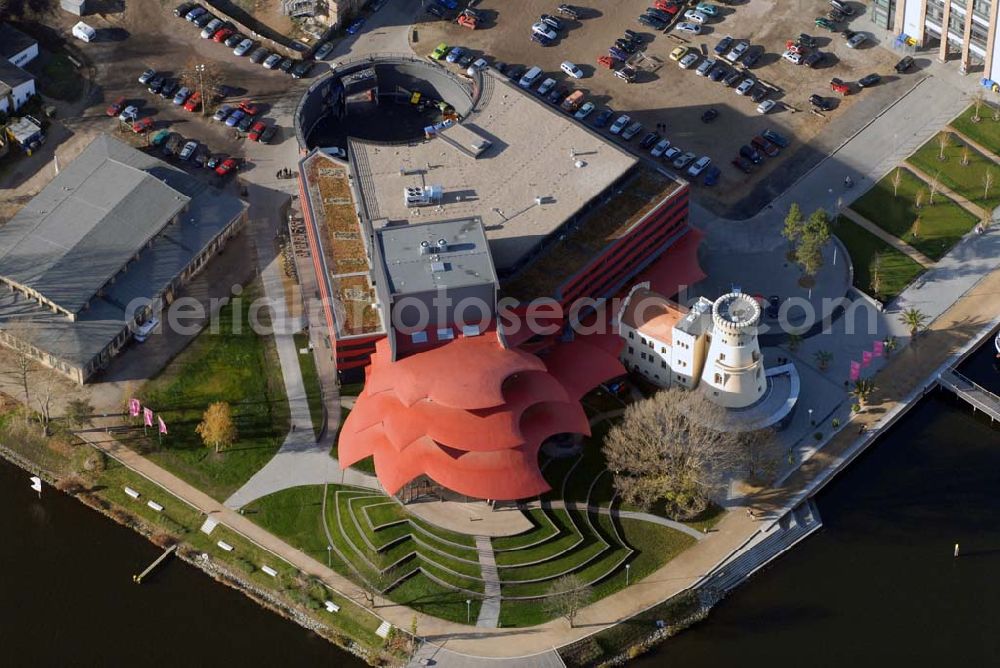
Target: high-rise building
(971,29)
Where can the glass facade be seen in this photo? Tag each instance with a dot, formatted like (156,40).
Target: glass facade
(883,13)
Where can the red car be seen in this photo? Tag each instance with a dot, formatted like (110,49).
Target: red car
(840,87)
(116,107)
(193,102)
(227,166)
(142,125)
(256,131)
(668,7)
(249,107)
(222,35)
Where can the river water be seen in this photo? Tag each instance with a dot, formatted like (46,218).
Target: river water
(878,582)
(67,597)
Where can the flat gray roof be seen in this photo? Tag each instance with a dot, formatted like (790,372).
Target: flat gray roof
(13,41)
(12,75)
(532,155)
(98,214)
(466,260)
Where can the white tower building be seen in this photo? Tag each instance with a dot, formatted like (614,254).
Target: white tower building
(733,376)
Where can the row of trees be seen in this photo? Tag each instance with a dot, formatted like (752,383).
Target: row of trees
(807,237)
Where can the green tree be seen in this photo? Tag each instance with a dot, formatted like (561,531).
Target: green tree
(914,319)
(567,596)
(793,225)
(794,341)
(814,236)
(862,391)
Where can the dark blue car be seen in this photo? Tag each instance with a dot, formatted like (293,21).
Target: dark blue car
(712,175)
(603,118)
(355,27)
(448,4)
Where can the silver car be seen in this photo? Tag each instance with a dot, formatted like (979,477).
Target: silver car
(211,28)
(682,160)
(272,61)
(243,48)
(323,51)
(188,150)
(745,86)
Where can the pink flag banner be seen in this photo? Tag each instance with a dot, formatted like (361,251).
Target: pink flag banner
(147,417)
(162,424)
(855,370)
(879,348)
(866,358)
(133,407)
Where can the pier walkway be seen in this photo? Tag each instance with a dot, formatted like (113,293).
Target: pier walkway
(972,393)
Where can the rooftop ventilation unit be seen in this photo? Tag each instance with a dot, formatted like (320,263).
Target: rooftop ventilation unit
(422,195)
(426,248)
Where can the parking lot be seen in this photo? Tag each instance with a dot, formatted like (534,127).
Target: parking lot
(149,36)
(663,93)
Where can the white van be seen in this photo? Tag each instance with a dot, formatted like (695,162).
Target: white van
(84,32)
(530,77)
(143,331)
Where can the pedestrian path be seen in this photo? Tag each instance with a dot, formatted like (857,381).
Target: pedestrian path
(489,610)
(628,514)
(893,241)
(974,144)
(942,189)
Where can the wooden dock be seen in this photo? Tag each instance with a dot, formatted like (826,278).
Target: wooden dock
(149,569)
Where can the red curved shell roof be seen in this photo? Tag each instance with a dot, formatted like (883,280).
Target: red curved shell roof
(472,414)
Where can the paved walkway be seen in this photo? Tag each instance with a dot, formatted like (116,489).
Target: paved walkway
(489,610)
(890,239)
(942,189)
(629,514)
(974,144)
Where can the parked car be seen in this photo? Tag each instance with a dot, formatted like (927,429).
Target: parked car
(544,29)
(776,138)
(820,102)
(256,130)
(678,53)
(222,35)
(194,13)
(222,112)
(903,65)
(568,11)
(182,95)
(551,21)
(652,22)
(434,10)
(823,22)
(682,161)
(159,137)
(751,154)
(235,117)
(546,86)
(234,39)
(718,72)
(302,69)
(842,7)
(671,154)
(142,125)
(839,86)
(794,57)
(856,40)
(738,50)
(478,65)
(660,14)
(869,80)
(128,114)
(571,69)
(626,45)
(245,123)
(745,86)
(227,165)
(759,93)
(712,175)
(455,54)
(705,67)
(193,102)
(632,131)
(585,110)
(688,61)
(707,8)
(627,73)
(539,38)
(356,26)
(742,164)
(145,77)
(710,115)
(529,78)
(814,59)
(753,54)
(699,166)
(440,51)
(557,95)
(172,144)
(286,65)
(188,150)
(259,55)
(689,28)
(169,88)
(694,16)
(660,148)
(323,50)
(620,124)
(765,106)
(724,44)
(515,72)
(732,78)
(212,27)
(767,147)
(603,118)
(183,8)
(204,19)
(807,41)
(156,84)
(271,62)
(243,48)
(268,134)
(649,140)
(115,107)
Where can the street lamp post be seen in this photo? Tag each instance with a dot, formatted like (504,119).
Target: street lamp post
(811,417)
(200,69)
(468,611)
(627,567)
(329,549)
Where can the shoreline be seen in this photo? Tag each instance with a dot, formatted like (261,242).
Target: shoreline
(215,570)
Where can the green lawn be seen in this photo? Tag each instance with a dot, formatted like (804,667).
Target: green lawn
(566,536)
(942,224)
(542,530)
(310,378)
(242,369)
(898,270)
(986,132)
(966,180)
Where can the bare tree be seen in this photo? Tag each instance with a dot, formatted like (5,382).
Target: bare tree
(875,271)
(567,596)
(79,412)
(987,183)
(670,447)
(43,399)
(977,103)
(965,156)
(897,178)
(918,197)
(915,229)
(943,140)
(933,187)
(22,365)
